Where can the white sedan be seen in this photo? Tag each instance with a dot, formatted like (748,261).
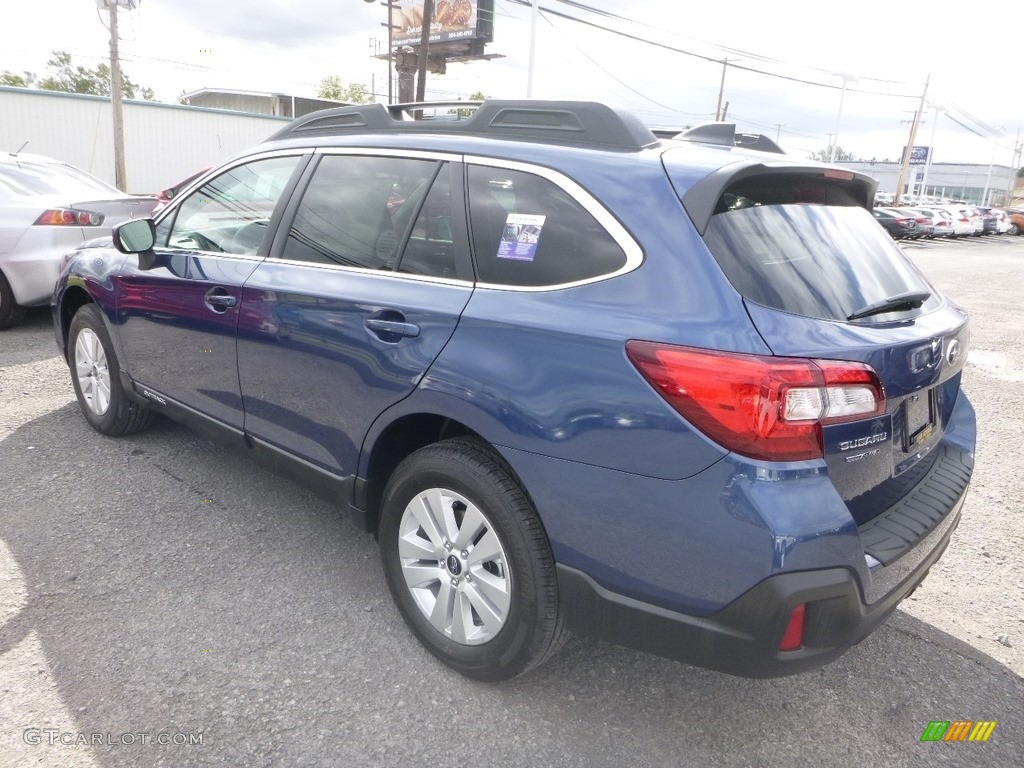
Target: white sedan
(46,209)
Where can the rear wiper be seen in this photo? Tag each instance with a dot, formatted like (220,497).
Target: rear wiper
(898,303)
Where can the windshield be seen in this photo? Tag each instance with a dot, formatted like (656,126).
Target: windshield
(823,261)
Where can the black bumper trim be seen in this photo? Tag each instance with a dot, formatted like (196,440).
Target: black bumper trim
(743,638)
(889,535)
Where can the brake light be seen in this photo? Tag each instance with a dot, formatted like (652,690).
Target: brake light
(763,407)
(65,217)
(793,637)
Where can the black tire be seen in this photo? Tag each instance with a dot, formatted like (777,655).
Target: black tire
(10,311)
(1013,230)
(121,415)
(477,484)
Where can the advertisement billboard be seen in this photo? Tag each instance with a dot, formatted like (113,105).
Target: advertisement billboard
(453,21)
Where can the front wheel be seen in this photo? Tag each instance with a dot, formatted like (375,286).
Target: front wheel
(468,563)
(1013,230)
(96,375)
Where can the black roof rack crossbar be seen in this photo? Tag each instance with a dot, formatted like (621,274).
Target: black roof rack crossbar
(725,135)
(562,122)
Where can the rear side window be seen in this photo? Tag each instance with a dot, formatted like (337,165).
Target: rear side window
(806,248)
(529,232)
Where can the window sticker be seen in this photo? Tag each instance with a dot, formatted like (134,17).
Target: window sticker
(521,236)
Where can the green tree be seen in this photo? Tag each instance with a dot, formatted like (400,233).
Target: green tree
(841,155)
(64,76)
(332,87)
(23,80)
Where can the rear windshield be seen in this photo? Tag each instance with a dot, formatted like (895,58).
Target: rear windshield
(825,261)
(38,179)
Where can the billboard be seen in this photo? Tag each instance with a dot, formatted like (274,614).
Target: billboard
(918,155)
(453,21)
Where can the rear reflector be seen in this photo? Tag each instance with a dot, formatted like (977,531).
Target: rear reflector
(65,217)
(793,637)
(759,406)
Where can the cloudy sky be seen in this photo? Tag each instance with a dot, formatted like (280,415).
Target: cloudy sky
(786,61)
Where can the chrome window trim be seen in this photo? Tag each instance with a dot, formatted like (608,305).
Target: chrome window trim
(409,154)
(632,250)
(634,253)
(372,272)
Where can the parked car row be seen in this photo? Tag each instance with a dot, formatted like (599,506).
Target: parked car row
(952,220)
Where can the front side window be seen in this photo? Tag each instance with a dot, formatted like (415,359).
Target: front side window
(230,213)
(358,211)
(529,232)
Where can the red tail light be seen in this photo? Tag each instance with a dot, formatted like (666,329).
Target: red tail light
(65,217)
(793,637)
(760,406)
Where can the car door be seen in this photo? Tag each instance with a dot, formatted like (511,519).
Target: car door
(364,286)
(177,308)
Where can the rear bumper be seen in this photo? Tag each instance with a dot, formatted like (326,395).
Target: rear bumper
(33,265)
(743,638)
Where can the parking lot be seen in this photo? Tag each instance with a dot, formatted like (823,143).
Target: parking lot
(161,588)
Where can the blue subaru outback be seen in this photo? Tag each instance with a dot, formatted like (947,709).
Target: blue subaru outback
(683,394)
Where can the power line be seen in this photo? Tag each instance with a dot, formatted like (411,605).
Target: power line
(703,57)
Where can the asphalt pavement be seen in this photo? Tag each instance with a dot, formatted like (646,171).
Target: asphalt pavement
(164,602)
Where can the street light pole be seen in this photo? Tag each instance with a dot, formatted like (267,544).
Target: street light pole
(1017,147)
(534,12)
(988,178)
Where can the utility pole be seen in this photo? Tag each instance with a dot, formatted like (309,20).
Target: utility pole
(910,144)
(839,116)
(423,53)
(719,116)
(778,132)
(120,178)
(931,148)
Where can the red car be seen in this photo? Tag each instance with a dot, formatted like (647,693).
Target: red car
(1016,223)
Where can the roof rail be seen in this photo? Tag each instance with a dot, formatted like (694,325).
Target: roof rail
(725,135)
(559,122)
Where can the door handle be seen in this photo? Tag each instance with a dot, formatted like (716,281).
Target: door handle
(386,328)
(219,300)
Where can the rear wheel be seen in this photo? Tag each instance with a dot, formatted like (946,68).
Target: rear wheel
(468,563)
(96,375)
(10,311)
(1013,230)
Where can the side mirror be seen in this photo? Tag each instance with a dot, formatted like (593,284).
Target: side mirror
(136,236)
